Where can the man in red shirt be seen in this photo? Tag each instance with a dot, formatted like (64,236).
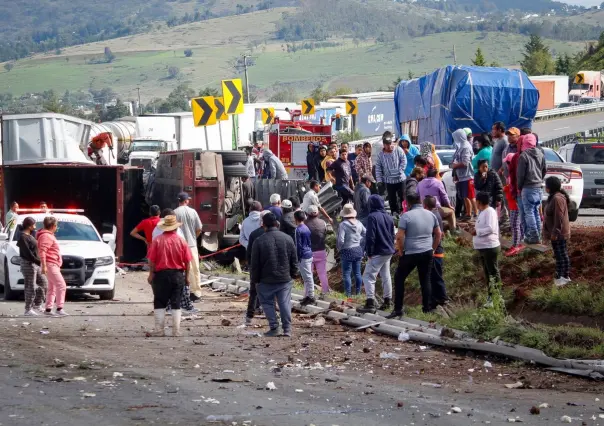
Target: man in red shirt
(147,226)
(169,257)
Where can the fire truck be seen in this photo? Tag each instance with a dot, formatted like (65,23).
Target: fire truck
(289,141)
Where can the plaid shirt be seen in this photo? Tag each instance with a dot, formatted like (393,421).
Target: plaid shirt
(363,165)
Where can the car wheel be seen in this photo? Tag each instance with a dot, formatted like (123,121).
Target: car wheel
(234,170)
(8,293)
(573,215)
(107,295)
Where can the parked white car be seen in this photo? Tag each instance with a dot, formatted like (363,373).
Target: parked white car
(570,175)
(88,259)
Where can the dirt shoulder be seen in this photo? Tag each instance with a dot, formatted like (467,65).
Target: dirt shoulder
(97,365)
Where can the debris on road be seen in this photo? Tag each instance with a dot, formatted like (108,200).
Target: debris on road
(225,322)
(271,386)
(535,411)
(319,322)
(566,419)
(456,410)
(387,355)
(516,385)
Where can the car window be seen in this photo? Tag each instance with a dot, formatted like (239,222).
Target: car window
(552,157)
(69,231)
(445,157)
(588,154)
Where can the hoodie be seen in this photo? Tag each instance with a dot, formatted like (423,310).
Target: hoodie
(48,248)
(351,234)
(379,239)
(531,164)
(411,154)
(361,202)
(484,154)
(273,167)
(435,188)
(303,242)
(251,223)
(463,154)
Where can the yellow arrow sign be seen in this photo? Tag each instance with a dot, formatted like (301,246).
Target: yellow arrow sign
(268,115)
(220,110)
(232,93)
(579,79)
(352,107)
(308,106)
(204,111)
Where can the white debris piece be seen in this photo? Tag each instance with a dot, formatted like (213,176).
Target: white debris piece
(566,419)
(271,386)
(89,395)
(487,364)
(388,355)
(299,391)
(544,405)
(404,336)
(117,374)
(456,410)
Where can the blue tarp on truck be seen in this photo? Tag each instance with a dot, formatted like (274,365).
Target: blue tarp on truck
(455,97)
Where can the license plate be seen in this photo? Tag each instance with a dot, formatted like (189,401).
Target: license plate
(568,188)
(600,191)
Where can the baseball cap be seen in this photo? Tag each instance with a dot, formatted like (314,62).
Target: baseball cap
(275,198)
(370,177)
(514,131)
(312,210)
(287,204)
(183,196)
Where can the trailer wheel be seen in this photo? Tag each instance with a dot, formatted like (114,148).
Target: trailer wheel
(107,295)
(232,157)
(235,170)
(229,240)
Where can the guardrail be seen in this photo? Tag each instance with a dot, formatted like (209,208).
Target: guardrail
(596,132)
(560,112)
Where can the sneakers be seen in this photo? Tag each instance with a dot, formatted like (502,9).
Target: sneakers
(514,251)
(273,332)
(248,321)
(61,313)
(31,313)
(194,298)
(528,241)
(387,305)
(395,315)
(561,282)
(49,313)
(308,301)
(369,307)
(287,333)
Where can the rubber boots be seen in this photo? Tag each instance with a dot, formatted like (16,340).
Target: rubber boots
(387,305)
(176,314)
(160,322)
(369,307)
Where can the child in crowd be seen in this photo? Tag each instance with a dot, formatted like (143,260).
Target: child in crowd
(304,251)
(487,180)
(556,227)
(517,234)
(486,242)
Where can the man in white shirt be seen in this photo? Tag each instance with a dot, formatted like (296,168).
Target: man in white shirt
(486,241)
(311,198)
(191,228)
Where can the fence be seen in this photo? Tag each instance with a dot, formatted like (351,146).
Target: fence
(577,109)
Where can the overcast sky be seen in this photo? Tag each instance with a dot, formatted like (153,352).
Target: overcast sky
(584,2)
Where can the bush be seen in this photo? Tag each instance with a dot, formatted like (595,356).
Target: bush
(188,53)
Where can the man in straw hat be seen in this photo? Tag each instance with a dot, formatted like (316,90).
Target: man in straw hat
(169,263)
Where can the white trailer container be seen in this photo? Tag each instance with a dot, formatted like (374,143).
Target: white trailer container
(561,88)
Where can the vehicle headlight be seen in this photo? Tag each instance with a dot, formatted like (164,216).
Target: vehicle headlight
(15,260)
(104,261)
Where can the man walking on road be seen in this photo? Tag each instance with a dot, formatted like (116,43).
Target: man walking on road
(169,262)
(390,170)
(379,247)
(417,239)
(191,228)
(274,266)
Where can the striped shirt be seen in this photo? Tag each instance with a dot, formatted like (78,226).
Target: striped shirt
(390,166)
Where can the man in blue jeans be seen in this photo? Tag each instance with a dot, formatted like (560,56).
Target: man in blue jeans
(530,175)
(274,266)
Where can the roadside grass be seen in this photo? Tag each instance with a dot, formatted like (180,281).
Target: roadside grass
(573,299)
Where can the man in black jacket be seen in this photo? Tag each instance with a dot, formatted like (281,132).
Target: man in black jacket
(274,266)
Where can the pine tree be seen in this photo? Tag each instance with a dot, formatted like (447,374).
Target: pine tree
(479,60)
(537,57)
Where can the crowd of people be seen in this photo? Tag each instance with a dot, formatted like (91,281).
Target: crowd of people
(498,178)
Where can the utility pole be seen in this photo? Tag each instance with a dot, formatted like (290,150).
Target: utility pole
(247,85)
(138,89)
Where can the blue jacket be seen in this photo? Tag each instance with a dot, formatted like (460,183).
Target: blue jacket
(379,240)
(413,152)
(303,244)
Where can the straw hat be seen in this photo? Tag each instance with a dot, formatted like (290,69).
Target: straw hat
(169,223)
(348,212)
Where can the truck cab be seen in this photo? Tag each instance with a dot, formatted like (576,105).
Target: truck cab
(587,84)
(145,152)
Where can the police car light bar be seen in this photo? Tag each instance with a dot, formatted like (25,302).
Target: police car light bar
(51,210)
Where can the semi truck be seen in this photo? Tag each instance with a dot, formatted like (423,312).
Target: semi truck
(586,84)
(432,107)
(553,90)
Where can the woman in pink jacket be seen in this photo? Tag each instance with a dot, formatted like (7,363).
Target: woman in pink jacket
(50,263)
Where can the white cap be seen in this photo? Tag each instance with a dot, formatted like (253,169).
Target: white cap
(287,204)
(312,210)
(275,198)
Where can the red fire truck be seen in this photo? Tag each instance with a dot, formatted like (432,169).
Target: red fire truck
(289,141)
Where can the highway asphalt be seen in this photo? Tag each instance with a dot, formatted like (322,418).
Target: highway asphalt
(552,129)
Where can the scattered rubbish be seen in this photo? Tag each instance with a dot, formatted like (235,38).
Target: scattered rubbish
(456,410)
(228,371)
(319,322)
(197,366)
(58,363)
(299,391)
(514,420)
(516,385)
(224,418)
(252,333)
(211,401)
(433,385)
(140,407)
(78,379)
(535,411)
(487,364)
(225,322)
(404,337)
(271,386)
(89,395)
(574,404)
(566,419)
(241,326)
(366,350)
(388,355)
(44,332)
(26,324)
(447,332)
(331,379)
(423,348)
(117,374)
(544,405)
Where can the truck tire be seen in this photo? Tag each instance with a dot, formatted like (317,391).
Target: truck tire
(107,295)
(232,157)
(234,170)
(229,240)
(8,293)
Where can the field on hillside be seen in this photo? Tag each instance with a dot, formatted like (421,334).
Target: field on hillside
(143,60)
